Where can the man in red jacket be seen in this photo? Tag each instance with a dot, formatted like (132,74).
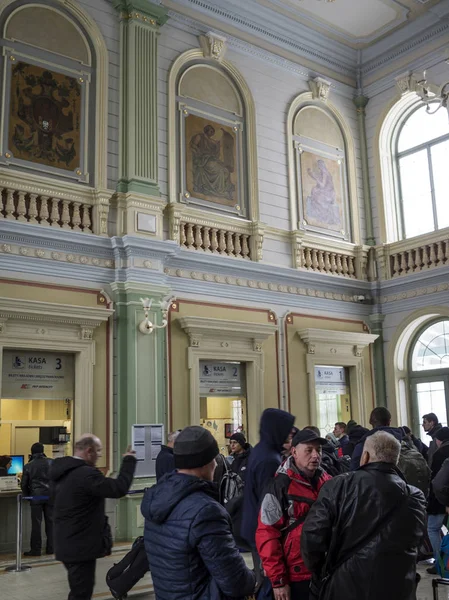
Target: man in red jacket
(284,508)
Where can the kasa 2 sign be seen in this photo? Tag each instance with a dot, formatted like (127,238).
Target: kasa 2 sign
(220,379)
(37,375)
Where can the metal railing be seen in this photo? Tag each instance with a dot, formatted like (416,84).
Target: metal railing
(18,567)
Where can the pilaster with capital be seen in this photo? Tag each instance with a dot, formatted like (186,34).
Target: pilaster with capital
(376,324)
(361,103)
(140,23)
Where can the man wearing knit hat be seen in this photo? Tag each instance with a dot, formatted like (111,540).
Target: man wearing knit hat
(36,482)
(240,451)
(188,538)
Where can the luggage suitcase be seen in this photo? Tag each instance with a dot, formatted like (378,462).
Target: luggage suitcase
(435,584)
(123,576)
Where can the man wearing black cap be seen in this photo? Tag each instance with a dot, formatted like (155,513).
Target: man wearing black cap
(240,451)
(188,538)
(284,508)
(36,482)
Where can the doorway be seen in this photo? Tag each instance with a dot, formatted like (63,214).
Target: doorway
(332,396)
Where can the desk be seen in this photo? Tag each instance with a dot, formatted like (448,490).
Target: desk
(8,522)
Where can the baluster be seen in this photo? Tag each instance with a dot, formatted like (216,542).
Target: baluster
(333,263)
(86,221)
(432,257)
(198,237)
(321,261)
(21,207)
(32,210)
(327,263)
(54,217)
(44,214)
(308,259)
(314,259)
(182,228)
(411,261)
(189,236)
(221,242)
(425,257)
(396,266)
(446,250)
(65,217)
(213,240)
(351,267)
(9,208)
(440,254)
(2,203)
(76,217)
(403,265)
(206,239)
(339,265)
(237,245)
(229,243)
(245,246)
(345,265)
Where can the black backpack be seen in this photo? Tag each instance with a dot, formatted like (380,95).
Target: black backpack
(231,486)
(335,465)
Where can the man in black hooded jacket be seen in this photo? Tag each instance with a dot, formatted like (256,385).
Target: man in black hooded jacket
(79,490)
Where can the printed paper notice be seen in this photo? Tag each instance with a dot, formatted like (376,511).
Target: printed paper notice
(155,449)
(140,452)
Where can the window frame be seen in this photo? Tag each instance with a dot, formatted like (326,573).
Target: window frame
(399,200)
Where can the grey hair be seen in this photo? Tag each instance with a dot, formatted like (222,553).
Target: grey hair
(87,440)
(383,447)
(173,435)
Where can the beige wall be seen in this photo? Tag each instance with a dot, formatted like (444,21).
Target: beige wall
(178,357)
(297,371)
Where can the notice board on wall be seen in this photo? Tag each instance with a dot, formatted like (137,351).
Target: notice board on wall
(147,441)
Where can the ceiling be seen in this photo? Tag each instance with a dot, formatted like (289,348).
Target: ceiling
(356,23)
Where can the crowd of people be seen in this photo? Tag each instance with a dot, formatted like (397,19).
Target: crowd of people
(345,515)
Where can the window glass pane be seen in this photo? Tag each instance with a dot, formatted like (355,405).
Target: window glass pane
(431,350)
(416,194)
(431,398)
(440,162)
(421,127)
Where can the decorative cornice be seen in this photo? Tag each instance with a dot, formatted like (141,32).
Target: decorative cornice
(198,328)
(67,257)
(416,293)
(142,10)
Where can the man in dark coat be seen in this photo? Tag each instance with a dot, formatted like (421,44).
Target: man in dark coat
(431,426)
(419,445)
(264,461)
(36,482)
(188,538)
(379,420)
(435,510)
(82,533)
(165,462)
(355,434)
(364,530)
(240,454)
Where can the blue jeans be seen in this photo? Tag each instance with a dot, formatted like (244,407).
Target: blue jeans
(434,523)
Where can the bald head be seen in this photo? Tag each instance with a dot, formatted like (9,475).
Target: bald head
(89,448)
(381,447)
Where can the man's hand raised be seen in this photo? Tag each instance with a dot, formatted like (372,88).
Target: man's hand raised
(130,452)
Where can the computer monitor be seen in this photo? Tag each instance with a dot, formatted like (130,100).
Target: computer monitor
(17,461)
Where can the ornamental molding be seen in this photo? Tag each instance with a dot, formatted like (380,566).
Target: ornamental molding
(336,342)
(259,285)
(320,89)
(56,255)
(213,45)
(406,83)
(416,293)
(198,328)
(87,318)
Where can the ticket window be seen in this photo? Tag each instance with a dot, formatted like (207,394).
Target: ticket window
(37,390)
(333,397)
(223,402)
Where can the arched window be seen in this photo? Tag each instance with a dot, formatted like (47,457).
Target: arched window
(421,151)
(429,372)
(212,140)
(50,93)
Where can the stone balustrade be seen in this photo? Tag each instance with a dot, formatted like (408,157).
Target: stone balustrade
(214,240)
(27,207)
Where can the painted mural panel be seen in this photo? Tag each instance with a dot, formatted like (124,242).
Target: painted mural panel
(211,161)
(45,117)
(321,182)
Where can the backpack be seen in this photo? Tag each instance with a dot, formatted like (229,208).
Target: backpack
(413,466)
(334,465)
(442,561)
(230,487)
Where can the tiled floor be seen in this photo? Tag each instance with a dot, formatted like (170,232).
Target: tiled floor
(47,580)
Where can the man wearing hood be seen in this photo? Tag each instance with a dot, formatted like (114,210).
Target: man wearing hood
(379,420)
(264,461)
(188,537)
(36,482)
(82,533)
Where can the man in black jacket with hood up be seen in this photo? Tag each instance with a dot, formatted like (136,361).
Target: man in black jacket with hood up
(82,533)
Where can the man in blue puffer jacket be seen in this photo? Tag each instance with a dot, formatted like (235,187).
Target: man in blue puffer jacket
(188,538)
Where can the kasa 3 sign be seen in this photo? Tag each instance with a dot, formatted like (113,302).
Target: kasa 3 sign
(37,375)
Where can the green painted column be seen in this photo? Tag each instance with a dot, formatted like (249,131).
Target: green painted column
(140,385)
(361,103)
(139,21)
(376,322)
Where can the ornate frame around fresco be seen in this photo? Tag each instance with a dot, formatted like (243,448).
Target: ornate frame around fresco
(80,172)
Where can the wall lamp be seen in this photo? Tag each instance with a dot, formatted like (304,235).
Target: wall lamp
(146,326)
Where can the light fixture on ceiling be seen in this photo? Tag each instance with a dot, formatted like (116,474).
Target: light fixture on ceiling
(432,94)
(146,326)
